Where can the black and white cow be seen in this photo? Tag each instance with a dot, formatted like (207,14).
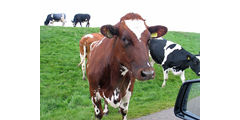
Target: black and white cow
(51,18)
(173,57)
(81,18)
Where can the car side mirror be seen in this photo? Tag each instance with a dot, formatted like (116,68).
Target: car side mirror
(187,105)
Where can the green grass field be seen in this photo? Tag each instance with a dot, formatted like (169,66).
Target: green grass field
(65,96)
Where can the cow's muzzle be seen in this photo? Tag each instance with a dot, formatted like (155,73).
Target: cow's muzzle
(146,74)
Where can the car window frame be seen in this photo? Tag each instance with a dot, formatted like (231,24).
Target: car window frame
(181,101)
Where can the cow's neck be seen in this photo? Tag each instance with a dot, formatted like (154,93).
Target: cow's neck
(118,80)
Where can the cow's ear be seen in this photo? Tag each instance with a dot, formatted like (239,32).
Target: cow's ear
(157,31)
(109,31)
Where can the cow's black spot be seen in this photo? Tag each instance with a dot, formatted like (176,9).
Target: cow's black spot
(171,46)
(115,101)
(125,104)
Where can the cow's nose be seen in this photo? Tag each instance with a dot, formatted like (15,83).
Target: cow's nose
(147,74)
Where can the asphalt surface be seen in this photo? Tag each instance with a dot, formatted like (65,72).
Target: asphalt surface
(193,106)
(163,115)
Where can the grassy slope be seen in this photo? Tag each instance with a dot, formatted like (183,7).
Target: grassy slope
(64,95)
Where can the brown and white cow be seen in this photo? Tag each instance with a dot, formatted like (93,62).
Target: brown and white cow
(117,60)
(85,47)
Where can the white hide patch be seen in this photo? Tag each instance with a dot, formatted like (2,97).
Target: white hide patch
(198,57)
(124,71)
(148,64)
(126,98)
(91,45)
(97,111)
(100,42)
(105,108)
(115,97)
(159,38)
(88,35)
(167,50)
(136,26)
(98,96)
(175,72)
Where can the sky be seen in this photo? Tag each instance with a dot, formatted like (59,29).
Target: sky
(176,15)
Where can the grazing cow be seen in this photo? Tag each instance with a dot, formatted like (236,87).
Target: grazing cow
(173,57)
(117,60)
(85,46)
(56,18)
(81,18)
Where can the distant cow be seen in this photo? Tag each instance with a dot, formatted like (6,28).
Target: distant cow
(81,18)
(173,57)
(85,45)
(117,60)
(56,18)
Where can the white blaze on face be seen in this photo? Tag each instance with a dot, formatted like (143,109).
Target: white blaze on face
(136,26)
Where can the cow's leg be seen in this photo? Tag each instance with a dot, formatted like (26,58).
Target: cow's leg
(82,57)
(97,107)
(81,60)
(125,102)
(74,24)
(63,21)
(87,24)
(80,24)
(165,77)
(105,111)
(84,62)
(182,75)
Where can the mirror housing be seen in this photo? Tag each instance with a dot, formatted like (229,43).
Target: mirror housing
(181,108)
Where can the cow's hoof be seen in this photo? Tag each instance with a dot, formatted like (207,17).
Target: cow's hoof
(84,78)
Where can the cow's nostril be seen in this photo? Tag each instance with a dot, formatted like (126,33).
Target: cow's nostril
(147,73)
(143,74)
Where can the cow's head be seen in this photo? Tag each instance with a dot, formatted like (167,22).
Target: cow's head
(194,63)
(46,22)
(131,37)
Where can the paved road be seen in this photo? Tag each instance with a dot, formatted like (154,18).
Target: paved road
(163,115)
(193,106)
